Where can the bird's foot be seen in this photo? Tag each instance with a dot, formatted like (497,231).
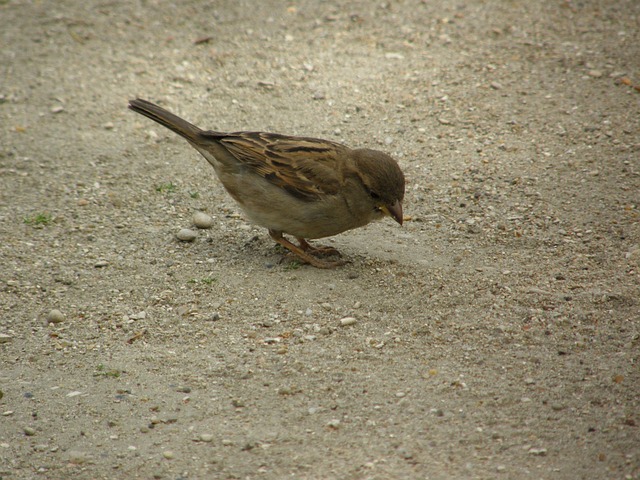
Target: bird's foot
(304,252)
(318,250)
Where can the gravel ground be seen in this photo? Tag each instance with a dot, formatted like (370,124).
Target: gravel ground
(495,335)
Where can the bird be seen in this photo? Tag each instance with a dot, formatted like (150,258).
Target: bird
(304,187)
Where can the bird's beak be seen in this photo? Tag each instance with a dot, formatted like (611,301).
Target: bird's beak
(394,211)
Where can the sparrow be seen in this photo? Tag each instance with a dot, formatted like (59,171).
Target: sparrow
(304,187)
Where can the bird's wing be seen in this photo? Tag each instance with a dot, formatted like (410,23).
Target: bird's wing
(307,168)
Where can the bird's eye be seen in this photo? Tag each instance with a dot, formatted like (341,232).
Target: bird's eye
(374,195)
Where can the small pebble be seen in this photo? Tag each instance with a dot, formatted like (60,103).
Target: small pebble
(138,316)
(101,264)
(4,338)
(206,437)
(55,316)
(186,235)
(168,454)
(541,452)
(29,432)
(404,453)
(496,85)
(57,109)
(595,73)
(335,423)
(108,126)
(284,391)
(202,220)
(152,135)
(77,458)
(346,321)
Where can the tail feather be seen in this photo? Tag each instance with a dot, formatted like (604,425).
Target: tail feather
(165,118)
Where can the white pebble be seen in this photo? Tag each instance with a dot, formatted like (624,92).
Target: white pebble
(168,454)
(206,437)
(202,220)
(4,338)
(538,451)
(186,235)
(346,321)
(335,423)
(55,316)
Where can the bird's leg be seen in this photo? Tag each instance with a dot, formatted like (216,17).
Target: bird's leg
(303,255)
(322,250)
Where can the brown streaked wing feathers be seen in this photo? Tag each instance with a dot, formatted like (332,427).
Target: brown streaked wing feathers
(305,167)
